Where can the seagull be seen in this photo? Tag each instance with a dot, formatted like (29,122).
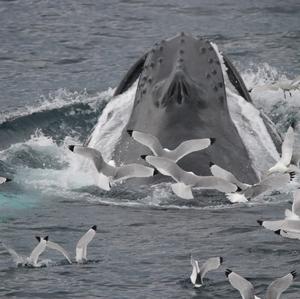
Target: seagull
(291,223)
(4,180)
(246,289)
(32,260)
(187,180)
(245,192)
(175,155)
(284,163)
(81,247)
(198,273)
(285,85)
(107,172)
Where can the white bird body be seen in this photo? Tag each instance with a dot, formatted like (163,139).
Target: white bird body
(175,155)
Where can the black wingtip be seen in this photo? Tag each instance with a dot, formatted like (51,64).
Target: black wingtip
(238,189)
(211,164)
(143,157)
(227,272)
(293,124)
(277,232)
(94,227)
(221,259)
(294,273)
(46,238)
(71,147)
(8,180)
(260,222)
(292,175)
(38,238)
(212,140)
(155,172)
(130,132)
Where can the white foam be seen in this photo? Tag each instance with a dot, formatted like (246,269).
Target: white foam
(112,122)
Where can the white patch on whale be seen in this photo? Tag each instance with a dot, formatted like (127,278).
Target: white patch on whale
(249,123)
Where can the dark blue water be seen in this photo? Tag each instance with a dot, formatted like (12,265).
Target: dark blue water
(58,60)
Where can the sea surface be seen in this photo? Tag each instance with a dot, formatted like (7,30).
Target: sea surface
(59,64)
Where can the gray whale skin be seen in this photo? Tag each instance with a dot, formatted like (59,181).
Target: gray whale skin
(181,96)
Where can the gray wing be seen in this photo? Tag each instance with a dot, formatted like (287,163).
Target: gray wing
(278,286)
(132,171)
(195,270)
(59,248)
(15,257)
(273,225)
(148,140)
(3,180)
(244,286)
(255,190)
(81,246)
(37,251)
(190,146)
(296,203)
(287,147)
(211,264)
(219,172)
(97,158)
(276,180)
(212,182)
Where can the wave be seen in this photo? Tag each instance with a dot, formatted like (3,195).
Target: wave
(63,113)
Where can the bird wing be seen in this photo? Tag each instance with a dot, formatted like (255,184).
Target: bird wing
(59,248)
(212,182)
(219,172)
(296,203)
(83,243)
(195,270)
(188,147)
(148,140)
(211,264)
(241,284)
(2,180)
(15,257)
(277,180)
(132,171)
(37,251)
(287,147)
(278,286)
(97,158)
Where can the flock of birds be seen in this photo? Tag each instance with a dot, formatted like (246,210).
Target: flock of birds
(164,161)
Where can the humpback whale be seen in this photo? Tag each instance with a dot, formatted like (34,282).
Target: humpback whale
(187,90)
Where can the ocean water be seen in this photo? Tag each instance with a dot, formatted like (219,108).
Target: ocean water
(59,64)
